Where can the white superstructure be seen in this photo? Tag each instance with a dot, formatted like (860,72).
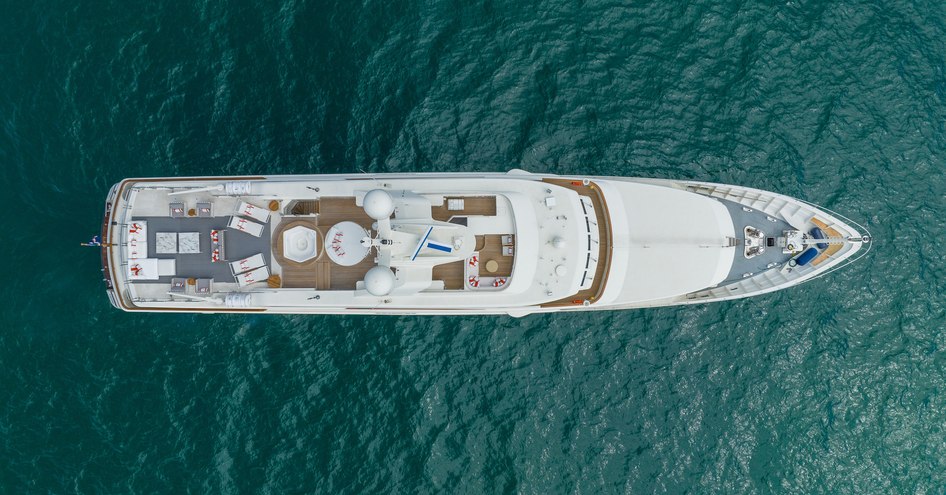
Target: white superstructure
(514,243)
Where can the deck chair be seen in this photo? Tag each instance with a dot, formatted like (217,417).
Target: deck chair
(247,264)
(251,277)
(176,210)
(205,285)
(143,269)
(137,230)
(244,225)
(205,209)
(253,211)
(137,249)
(137,246)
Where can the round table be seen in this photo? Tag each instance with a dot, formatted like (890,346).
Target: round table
(492,266)
(343,243)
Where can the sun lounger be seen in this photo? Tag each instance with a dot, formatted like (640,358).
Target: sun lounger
(248,226)
(137,249)
(247,264)
(178,285)
(143,269)
(253,211)
(150,268)
(137,230)
(137,239)
(258,275)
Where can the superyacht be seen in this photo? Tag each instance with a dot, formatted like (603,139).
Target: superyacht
(511,243)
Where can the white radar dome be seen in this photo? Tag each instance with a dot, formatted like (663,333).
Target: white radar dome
(379,281)
(378,204)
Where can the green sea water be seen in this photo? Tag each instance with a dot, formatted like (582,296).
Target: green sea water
(834,387)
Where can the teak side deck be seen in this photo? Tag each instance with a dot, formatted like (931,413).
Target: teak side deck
(603,218)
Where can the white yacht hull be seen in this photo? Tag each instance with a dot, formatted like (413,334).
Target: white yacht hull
(548,243)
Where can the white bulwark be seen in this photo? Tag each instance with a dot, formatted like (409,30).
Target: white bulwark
(496,243)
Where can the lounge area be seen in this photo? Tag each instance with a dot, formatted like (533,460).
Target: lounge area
(298,247)
(191,248)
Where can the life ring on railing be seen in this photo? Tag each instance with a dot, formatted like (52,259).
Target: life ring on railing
(474,260)
(474,281)
(499,282)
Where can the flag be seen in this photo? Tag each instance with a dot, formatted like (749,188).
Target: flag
(94,242)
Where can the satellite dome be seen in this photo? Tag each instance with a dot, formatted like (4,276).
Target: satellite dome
(378,204)
(379,280)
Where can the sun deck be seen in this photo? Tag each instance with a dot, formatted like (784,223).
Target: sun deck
(199,264)
(323,274)
(254,230)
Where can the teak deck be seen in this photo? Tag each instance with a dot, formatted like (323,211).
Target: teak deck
(490,247)
(451,274)
(832,248)
(472,206)
(603,218)
(320,273)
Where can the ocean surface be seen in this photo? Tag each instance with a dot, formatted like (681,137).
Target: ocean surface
(834,387)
